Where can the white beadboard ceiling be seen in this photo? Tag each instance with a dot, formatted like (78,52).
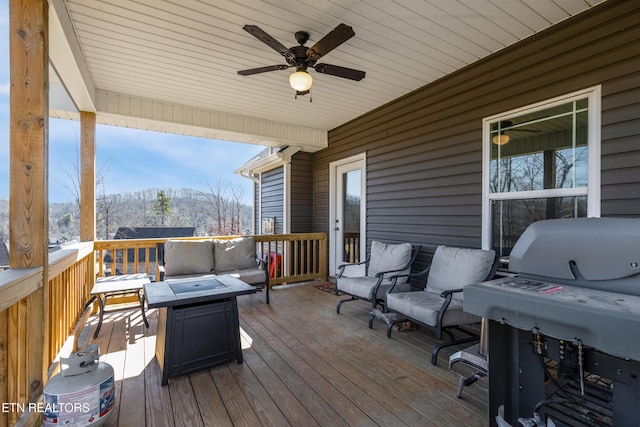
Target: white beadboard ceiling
(187,52)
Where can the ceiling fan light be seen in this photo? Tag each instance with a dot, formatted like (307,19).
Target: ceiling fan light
(500,139)
(300,81)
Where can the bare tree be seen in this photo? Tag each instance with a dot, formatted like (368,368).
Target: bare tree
(237,194)
(74,174)
(107,208)
(216,198)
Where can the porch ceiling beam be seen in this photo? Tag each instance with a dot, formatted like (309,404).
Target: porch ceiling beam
(150,114)
(67,58)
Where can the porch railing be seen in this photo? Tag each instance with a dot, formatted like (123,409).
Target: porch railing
(27,328)
(22,316)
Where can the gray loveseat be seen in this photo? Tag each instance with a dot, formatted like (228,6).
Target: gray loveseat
(211,257)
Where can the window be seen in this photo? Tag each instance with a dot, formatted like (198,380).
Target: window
(540,162)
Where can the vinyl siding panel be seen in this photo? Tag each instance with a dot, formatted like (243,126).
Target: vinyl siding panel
(301,198)
(424,150)
(256,208)
(272,204)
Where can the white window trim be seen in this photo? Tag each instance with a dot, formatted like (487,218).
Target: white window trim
(592,191)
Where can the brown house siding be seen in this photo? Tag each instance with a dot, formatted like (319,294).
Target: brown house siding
(272,204)
(301,197)
(424,150)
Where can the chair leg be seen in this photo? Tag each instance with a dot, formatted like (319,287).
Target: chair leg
(460,387)
(390,326)
(436,349)
(372,316)
(343,301)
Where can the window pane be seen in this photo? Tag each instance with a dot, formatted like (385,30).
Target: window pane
(511,217)
(545,149)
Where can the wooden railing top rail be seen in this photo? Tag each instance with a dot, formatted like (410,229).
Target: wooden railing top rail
(18,283)
(286,237)
(140,243)
(66,257)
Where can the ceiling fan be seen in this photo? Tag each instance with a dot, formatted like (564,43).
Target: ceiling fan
(501,137)
(303,58)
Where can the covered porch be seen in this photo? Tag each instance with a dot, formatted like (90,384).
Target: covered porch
(423,132)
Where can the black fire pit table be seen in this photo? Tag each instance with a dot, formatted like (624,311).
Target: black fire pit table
(198,325)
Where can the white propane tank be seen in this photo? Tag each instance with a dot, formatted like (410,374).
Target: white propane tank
(82,394)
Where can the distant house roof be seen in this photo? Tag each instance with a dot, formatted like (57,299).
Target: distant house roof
(124,233)
(153,232)
(4,255)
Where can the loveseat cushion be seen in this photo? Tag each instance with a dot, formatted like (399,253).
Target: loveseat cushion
(454,268)
(251,276)
(234,254)
(188,257)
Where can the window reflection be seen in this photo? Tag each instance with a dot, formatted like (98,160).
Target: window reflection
(544,151)
(512,217)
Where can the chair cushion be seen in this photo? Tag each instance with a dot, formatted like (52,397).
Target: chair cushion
(423,306)
(354,270)
(362,287)
(188,257)
(453,268)
(235,254)
(389,257)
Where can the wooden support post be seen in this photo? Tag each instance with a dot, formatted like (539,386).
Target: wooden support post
(87,176)
(28,204)
(4,335)
(88,183)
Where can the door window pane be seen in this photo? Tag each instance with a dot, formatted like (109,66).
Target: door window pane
(352,182)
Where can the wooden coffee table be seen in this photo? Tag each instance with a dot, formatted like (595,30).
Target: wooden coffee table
(118,285)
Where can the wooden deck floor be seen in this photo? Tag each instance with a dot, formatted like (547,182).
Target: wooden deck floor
(304,365)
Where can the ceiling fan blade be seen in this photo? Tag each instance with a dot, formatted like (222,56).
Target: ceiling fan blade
(335,70)
(263,69)
(274,44)
(335,38)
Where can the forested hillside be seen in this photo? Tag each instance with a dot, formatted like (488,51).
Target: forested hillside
(214,213)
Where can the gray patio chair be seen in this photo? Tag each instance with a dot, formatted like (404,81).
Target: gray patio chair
(439,306)
(369,280)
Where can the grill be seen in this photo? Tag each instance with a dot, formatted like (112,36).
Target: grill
(563,334)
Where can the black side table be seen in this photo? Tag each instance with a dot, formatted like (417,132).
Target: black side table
(198,324)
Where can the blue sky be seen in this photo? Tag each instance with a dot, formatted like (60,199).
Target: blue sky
(135,159)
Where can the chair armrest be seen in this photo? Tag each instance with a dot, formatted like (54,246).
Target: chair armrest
(342,267)
(263,262)
(421,273)
(448,292)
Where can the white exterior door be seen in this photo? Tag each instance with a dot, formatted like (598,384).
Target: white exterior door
(347,228)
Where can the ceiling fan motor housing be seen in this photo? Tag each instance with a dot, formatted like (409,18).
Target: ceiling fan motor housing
(302,37)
